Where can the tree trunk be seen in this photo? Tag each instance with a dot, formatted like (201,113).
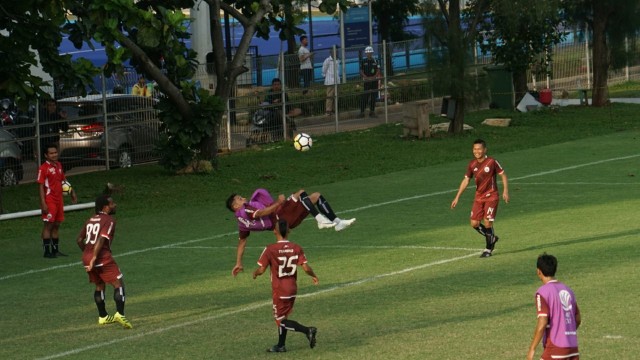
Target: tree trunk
(520,84)
(600,54)
(457,65)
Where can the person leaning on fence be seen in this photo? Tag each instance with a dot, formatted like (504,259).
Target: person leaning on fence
(370,72)
(331,73)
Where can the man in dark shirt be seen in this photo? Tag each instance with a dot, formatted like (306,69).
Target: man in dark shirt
(52,122)
(370,73)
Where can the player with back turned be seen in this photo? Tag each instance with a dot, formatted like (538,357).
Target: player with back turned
(558,315)
(284,258)
(95,240)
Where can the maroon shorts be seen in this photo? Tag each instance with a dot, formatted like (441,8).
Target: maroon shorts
(282,307)
(56,211)
(484,209)
(293,211)
(552,352)
(107,273)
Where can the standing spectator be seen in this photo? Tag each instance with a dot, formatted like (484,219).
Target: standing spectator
(558,315)
(261,213)
(306,66)
(485,204)
(331,73)
(370,73)
(140,88)
(52,122)
(50,177)
(284,257)
(95,240)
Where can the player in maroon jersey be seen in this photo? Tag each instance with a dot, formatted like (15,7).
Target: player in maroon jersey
(95,240)
(50,177)
(485,204)
(283,258)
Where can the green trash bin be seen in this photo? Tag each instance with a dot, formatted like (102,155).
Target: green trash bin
(501,87)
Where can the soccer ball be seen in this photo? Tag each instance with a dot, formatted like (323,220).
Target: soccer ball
(302,142)
(66,188)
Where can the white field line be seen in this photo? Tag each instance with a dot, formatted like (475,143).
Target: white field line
(35,271)
(358,247)
(252,307)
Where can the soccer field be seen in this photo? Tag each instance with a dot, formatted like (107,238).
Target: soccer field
(404,282)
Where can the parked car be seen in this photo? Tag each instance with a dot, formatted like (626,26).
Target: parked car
(11,170)
(133,130)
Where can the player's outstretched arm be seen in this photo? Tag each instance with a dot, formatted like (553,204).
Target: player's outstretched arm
(242,243)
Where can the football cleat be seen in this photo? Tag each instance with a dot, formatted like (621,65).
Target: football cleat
(343,224)
(311,335)
(324,223)
(493,244)
(123,321)
(486,253)
(109,319)
(276,348)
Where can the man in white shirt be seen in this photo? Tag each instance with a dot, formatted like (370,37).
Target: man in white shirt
(306,67)
(331,73)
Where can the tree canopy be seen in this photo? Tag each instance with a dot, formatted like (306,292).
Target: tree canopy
(519,34)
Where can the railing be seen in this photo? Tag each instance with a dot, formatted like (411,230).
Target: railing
(410,72)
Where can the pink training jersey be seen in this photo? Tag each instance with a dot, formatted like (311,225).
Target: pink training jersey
(556,301)
(485,174)
(247,222)
(51,175)
(283,258)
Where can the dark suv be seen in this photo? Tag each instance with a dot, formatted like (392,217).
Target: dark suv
(133,130)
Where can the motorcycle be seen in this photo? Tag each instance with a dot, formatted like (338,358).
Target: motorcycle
(8,113)
(267,126)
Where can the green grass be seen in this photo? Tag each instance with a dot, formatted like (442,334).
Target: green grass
(405,282)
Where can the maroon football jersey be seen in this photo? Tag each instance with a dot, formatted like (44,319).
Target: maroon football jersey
(485,174)
(283,258)
(100,225)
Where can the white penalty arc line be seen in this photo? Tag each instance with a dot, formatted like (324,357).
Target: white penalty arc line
(35,271)
(255,306)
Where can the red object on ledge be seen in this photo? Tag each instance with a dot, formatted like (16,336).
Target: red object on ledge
(545,96)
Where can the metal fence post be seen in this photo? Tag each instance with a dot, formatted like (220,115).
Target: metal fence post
(586,52)
(336,80)
(105,120)
(37,132)
(283,96)
(228,123)
(384,81)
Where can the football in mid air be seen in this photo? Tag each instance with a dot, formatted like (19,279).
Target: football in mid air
(302,142)
(66,188)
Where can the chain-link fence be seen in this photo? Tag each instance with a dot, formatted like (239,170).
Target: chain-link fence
(119,127)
